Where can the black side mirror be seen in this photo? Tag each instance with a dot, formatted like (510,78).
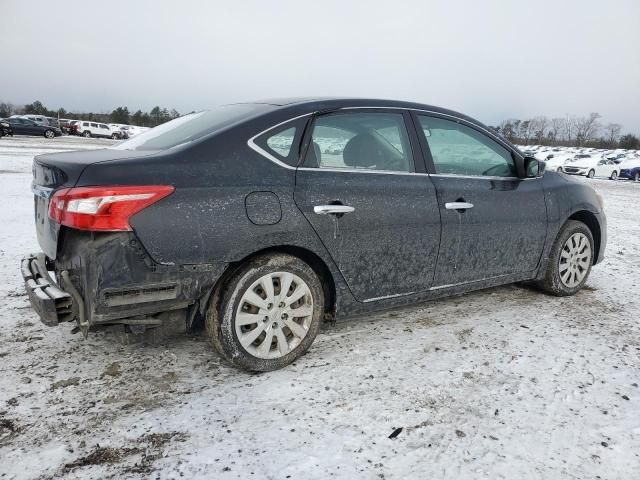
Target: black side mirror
(533,167)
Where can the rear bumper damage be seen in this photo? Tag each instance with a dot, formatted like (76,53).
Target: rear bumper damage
(109,279)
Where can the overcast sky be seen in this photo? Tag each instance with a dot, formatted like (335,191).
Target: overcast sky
(489,59)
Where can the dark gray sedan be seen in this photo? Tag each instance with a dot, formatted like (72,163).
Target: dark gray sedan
(261,220)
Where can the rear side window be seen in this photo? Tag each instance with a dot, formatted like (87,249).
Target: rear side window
(457,149)
(192,127)
(360,141)
(282,143)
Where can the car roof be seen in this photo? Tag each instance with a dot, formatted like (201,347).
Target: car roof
(322,103)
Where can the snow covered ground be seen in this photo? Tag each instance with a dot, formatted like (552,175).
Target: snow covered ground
(502,383)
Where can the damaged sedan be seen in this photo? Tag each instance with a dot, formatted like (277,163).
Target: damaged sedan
(257,221)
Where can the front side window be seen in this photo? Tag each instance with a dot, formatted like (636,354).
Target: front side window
(360,141)
(94,125)
(461,150)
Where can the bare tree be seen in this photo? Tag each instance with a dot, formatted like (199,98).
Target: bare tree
(556,126)
(587,128)
(539,127)
(526,130)
(612,132)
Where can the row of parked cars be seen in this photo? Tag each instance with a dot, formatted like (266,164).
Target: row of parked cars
(40,125)
(590,162)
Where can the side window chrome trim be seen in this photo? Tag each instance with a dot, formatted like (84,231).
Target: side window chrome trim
(253,146)
(482,177)
(356,170)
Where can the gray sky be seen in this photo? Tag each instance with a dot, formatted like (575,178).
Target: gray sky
(490,59)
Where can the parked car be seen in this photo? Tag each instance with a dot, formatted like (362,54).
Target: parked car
(632,172)
(38,119)
(74,127)
(24,126)
(261,220)
(605,168)
(120,130)
(5,128)
(94,129)
(581,164)
(64,125)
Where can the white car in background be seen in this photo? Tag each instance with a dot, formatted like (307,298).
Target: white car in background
(99,130)
(591,167)
(132,130)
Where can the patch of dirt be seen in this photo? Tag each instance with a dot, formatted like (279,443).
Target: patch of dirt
(8,430)
(102,455)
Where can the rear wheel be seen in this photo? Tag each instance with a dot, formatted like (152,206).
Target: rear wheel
(591,173)
(86,134)
(570,260)
(267,314)
(49,134)
(114,136)
(614,175)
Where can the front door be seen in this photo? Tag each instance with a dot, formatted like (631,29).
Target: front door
(359,189)
(493,223)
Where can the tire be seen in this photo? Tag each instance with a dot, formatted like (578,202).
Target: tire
(559,170)
(86,134)
(636,177)
(272,320)
(114,137)
(613,176)
(49,134)
(591,173)
(554,281)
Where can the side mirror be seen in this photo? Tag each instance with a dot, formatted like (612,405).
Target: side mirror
(533,167)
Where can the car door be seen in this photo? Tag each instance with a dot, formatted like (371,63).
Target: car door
(493,222)
(372,208)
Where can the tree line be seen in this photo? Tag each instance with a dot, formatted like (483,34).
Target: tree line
(570,131)
(156,116)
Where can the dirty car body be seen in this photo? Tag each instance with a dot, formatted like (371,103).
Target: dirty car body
(297,177)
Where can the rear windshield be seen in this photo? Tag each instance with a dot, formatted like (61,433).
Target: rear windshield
(191,127)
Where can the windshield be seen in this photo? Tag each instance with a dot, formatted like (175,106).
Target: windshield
(191,127)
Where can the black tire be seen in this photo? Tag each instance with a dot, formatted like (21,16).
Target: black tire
(49,134)
(636,177)
(613,176)
(559,170)
(86,134)
(591,173)
(552,282)
(114,136)
(221,313)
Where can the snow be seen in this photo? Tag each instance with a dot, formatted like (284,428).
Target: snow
(502,383)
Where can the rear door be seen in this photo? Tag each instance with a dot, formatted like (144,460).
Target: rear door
(371,204)
(493,222)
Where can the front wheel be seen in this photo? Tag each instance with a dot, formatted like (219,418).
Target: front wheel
(559,170)
(614,175)
(591,174)
(570,260)
(49,134)
(268,314)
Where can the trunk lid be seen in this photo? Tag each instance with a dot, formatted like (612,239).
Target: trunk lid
(53,171)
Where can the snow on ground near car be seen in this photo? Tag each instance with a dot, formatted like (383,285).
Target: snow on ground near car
(502,383)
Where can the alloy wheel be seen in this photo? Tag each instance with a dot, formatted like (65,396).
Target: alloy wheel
(274,315)
(575,260)
(614,175)
(49,134)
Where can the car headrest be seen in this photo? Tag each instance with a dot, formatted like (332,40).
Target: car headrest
(362,151)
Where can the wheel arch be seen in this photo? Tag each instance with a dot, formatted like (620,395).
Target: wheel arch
(312,259)
(590,220)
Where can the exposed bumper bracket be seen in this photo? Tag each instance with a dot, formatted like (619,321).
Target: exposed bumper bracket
(52,304)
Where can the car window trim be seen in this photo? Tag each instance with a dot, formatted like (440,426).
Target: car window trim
(416,154)
(424,154)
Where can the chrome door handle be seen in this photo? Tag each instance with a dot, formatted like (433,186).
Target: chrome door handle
(458,205)
(325,209)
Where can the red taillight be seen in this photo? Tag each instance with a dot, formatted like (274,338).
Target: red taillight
(103,208)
